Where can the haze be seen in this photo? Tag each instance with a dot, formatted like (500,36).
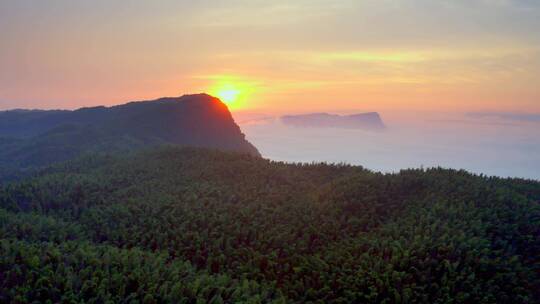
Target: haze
(479,55)
(424,65)
(482,143)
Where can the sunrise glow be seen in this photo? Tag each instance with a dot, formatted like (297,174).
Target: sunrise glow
(235,91)
(287,57)
(229,94)
(236,151)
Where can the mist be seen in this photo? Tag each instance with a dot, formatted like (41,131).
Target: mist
(499,144)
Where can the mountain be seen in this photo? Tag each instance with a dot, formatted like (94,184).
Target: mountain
(30,138)
(192,225)
(367,121)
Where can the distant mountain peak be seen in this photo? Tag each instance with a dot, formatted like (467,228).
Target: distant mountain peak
(368,121)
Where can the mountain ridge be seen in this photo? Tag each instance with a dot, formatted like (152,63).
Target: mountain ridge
(367,121)
(37,138)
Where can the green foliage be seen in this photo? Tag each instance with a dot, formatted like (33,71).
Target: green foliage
(200,226)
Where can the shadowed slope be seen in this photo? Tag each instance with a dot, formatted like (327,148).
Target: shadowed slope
(36,138)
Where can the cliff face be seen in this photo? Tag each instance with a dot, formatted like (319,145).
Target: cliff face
(191,120)
(368,121)
(32,138)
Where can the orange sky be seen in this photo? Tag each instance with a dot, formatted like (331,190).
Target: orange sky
(278,56)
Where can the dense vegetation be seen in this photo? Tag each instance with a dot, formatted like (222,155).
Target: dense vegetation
(183,225)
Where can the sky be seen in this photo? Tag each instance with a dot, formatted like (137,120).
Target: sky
(274,56)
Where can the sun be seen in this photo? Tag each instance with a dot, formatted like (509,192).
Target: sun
(233,91)
(233,94)
(228,93)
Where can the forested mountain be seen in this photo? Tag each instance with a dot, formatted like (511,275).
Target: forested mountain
(35,138)
(187,225)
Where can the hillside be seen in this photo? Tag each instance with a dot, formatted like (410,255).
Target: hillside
(186,225)
(366,121)
(36,138)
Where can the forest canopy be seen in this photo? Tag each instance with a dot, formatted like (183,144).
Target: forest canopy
(189,225)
